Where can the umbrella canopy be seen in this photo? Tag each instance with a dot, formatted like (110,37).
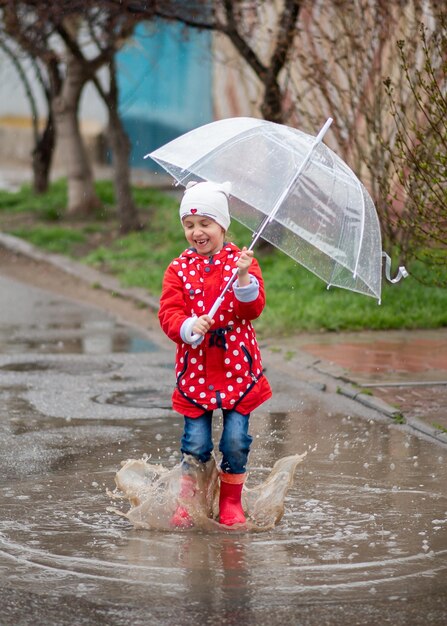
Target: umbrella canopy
(293,190)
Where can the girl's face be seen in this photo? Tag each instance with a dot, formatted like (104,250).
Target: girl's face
(204,234)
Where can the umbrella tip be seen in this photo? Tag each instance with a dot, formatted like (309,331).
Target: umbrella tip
(323,131)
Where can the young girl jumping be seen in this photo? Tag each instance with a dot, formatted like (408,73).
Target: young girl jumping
(223,369)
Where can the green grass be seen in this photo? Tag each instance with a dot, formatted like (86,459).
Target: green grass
(49,206)
(139,259)
(296,299)
(52,238)
(398,418)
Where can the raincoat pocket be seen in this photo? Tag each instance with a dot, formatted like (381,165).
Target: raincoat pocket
(247,354)
(184,368)
(187,388)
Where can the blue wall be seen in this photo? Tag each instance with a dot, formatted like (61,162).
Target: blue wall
(165,81)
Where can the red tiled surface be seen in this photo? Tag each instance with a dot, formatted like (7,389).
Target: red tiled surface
(382,356)
(406,363)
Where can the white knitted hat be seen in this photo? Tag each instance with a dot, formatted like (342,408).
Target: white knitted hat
(207,199)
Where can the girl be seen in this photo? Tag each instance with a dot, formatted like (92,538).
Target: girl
(223,369)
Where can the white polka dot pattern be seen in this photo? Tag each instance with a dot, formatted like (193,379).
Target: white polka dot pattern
(212,376)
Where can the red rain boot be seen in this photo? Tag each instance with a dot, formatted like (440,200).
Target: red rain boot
(181,517)
(230,507)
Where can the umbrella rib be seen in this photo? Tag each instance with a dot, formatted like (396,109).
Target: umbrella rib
(362,229)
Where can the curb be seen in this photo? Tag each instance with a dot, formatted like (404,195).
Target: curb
(370,401)
(78,270)
(394,414)
(423,428)
(351,390)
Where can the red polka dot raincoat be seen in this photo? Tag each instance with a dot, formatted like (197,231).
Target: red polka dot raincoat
(225,370)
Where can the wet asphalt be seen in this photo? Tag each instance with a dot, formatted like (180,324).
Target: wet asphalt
(363,539)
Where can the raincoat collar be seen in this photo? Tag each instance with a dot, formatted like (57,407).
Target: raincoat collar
(228,247)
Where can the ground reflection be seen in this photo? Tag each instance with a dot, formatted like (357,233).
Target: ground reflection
(31,322)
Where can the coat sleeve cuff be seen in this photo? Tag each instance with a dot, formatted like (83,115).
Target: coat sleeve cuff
(249,293)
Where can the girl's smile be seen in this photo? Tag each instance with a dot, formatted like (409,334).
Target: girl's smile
(204,234)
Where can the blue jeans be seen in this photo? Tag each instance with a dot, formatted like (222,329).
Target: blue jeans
(234,443)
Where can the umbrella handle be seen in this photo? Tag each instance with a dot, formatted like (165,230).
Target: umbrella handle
(196,338)
(193,338)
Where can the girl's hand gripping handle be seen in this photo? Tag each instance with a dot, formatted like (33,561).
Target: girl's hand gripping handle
(194,328)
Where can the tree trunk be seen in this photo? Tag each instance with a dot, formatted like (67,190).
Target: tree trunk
(82,198)
(42,157)
(272,107)
(127,211)
(119,141)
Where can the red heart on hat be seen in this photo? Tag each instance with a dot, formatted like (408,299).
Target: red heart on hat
(193,211)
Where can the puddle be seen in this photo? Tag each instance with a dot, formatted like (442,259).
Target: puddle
(65,367)
(115,340)
(407,372)
(365,518)
(135,398)
(386,357)
(153,492)
(33,321)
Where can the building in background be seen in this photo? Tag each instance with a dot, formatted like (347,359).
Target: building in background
(171,79)
(165,75)
(166,85)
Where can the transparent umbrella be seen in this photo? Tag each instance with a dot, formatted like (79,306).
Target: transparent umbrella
(291,189)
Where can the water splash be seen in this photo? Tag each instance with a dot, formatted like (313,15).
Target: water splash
(153,493)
